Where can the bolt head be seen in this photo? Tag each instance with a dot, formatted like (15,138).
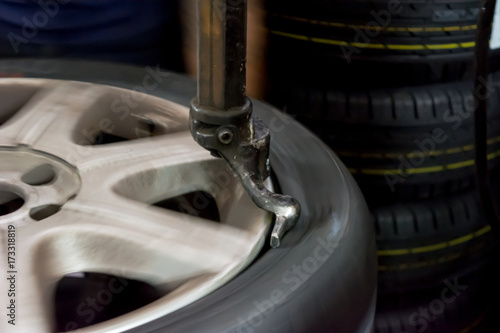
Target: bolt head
(225,136)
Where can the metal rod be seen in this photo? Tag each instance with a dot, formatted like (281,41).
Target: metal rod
(484,27)
(222,46)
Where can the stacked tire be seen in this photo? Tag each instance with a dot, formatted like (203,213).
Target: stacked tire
(373,43)
(388,85)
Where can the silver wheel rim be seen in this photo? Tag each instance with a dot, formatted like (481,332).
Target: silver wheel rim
(98,200)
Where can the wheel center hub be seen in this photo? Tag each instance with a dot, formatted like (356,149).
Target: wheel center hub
(34,185)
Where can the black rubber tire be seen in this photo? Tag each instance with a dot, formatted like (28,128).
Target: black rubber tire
(339,295)
(403,143)
(410,164)
(427,105)
(373,43)
(408,12)
(422,243)
(458,304)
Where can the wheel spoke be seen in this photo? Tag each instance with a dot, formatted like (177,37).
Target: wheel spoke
(150,170)
(172,149)
(53,111)
(32,286)
(135,241)
(14,93)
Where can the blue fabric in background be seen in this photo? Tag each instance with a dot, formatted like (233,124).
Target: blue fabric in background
(135,31)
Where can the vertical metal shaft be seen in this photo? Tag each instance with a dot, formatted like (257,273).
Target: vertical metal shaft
(222,53)
(240,138)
